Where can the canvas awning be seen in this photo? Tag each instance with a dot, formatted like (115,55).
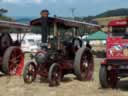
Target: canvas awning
(63,22)
(10,24)
(97,36)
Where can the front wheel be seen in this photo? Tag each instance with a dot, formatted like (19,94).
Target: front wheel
(103,77)
(29,74)
(54,75)
(108,79)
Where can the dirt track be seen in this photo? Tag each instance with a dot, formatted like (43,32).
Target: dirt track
(14,86)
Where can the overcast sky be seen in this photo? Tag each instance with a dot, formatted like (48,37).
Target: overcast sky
(32,8)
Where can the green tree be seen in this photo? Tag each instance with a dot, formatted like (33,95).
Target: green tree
(3,11)
(2,15)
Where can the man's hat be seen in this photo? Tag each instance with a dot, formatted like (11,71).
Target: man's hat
(45,10)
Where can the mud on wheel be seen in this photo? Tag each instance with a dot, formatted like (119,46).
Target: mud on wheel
(108,79)
(54,75)
(13,61)
(84,64)
(29,73)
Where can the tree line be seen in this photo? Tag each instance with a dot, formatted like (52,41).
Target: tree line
(109,13)
(3,16)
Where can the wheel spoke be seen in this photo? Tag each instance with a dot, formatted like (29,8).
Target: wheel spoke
(84,64)
(15,58)
(13,63)
(31,69)
(12,69)
(30,73)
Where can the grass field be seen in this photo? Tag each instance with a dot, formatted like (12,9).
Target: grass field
(14,86)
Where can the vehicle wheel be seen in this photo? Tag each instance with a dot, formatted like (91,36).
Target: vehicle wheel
(108,79)
(54,75)
(103,77)
(13,61)
(113,78)
(5,42)
(29,74)
(84,64)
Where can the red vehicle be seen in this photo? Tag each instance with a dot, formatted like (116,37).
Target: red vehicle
(11,56)
(115,66)
(63,57)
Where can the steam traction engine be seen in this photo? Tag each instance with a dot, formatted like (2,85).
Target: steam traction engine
(61,58)
(11,56)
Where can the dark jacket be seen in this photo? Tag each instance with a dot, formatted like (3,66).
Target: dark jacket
(44,29)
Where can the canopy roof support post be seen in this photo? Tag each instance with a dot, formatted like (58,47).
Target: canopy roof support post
(58,41)
(55,29)
(56,37)
(86,32)
(75,32)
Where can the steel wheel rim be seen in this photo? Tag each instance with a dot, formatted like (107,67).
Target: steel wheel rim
(15,61)
(31,71)
(84,65)
(56,75)
(86,62)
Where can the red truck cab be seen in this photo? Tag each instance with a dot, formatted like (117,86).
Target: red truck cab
(117,41)
(115,66)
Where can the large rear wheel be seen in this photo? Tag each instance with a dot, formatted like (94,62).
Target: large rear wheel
(84,64)
(5,42)
(13,61)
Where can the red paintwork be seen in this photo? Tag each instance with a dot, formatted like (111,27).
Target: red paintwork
(41,51)
(20,66)
(66,64)
(16,53)
(117,46)
(104,62)
(122,22)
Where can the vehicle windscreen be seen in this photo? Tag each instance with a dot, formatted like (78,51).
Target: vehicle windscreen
(119,31)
